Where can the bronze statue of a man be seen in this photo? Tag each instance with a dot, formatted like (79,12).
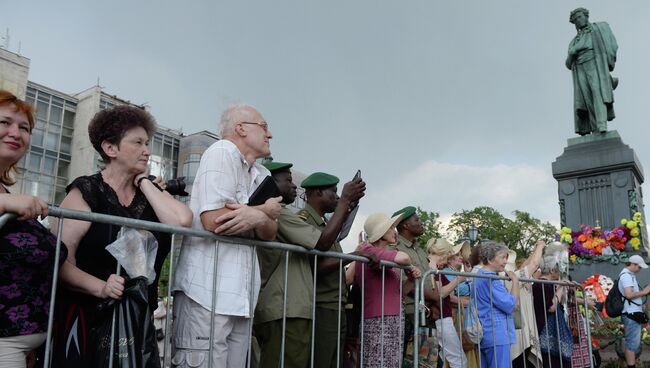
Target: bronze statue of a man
(592,55)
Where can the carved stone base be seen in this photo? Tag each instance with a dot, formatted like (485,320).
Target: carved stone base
(599,183)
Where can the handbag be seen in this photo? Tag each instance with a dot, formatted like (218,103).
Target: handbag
(559,346)
(472,328)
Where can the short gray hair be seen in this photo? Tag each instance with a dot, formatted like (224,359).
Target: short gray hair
(549,265)
(490,249)
(229,118)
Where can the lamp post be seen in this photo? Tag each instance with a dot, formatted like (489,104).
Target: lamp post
(472,234)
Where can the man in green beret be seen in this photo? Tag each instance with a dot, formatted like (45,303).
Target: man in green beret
(409,229)
(300,286)
(321,198)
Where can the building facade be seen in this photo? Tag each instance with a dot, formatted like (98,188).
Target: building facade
(60,149)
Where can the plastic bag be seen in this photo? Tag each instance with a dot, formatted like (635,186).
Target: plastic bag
(135,250)
(135,338)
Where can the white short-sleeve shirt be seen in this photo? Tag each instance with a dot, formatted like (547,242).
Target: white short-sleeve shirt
(627,279)
(223,177)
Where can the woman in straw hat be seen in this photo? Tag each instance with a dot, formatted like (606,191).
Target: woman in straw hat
(382,323)
(440,250)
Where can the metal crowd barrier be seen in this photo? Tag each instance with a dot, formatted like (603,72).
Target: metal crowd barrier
(177,230)
(419,318)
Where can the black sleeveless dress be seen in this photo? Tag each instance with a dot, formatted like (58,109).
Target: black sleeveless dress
(75,314)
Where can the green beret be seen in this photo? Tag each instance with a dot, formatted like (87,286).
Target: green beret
(319,179)
(406,211)
(275,166)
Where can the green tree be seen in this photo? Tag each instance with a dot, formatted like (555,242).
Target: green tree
(532,229)
(519,234)
(430,223)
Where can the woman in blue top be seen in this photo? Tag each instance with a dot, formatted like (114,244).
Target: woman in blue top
(495,305)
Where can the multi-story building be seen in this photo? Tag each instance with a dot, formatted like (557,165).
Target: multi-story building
(60,149)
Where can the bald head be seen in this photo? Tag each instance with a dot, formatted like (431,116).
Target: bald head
(245,127)
(236,114)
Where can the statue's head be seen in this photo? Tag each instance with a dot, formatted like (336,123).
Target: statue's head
(579,17)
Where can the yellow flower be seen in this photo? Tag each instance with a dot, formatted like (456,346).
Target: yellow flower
(573,258)
(565,230)
(637,216)
(623,221)
(635,243)
(631,224)
(635,232)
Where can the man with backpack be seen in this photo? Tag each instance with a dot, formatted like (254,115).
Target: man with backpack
(633,315)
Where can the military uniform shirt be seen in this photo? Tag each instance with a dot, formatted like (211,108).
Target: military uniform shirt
(418,258)
(327,284)
(300,284)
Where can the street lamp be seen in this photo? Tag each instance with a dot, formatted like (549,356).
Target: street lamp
(472,233)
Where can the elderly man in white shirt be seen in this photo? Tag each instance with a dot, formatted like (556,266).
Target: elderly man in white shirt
(226,177)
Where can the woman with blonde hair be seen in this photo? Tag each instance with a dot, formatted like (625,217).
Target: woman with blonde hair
(440,250)
(382,322)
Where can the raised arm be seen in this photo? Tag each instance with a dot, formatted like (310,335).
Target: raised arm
(167,208)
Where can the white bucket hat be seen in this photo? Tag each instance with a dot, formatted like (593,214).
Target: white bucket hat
(378,224)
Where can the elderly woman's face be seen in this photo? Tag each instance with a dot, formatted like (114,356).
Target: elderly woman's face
(133,150)
(499,261)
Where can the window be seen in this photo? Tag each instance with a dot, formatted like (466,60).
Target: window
(49,166)
(41,110)
(66,143)
(68,119)
(55,114)
(156,147)
(34,163)
(37,137)
(52,142)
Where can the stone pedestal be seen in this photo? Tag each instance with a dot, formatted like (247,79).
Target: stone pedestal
(599,183)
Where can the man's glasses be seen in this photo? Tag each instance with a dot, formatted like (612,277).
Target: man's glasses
(264,125)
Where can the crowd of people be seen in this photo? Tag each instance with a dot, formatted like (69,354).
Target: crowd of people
(225,291)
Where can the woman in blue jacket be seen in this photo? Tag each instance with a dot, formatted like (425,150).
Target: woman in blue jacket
(495,305)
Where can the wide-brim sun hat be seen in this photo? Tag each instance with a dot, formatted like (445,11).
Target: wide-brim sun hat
(378,224)
(439,246)
(463,249)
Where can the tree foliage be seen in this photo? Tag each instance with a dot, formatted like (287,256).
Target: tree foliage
(430,222)
(519,233)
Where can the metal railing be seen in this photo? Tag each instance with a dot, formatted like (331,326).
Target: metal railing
(525,324)
(419,318)
(177,230)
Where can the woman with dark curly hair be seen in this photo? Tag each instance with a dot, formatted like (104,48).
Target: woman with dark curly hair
(27,249)
(121,136)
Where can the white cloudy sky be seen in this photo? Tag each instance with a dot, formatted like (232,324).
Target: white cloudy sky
(443,104)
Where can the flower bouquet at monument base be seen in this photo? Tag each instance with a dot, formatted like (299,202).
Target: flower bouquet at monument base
(592,243)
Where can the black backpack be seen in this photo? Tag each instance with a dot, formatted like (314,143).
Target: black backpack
(616,301)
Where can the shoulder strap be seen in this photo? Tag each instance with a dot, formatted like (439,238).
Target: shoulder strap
(623,293)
